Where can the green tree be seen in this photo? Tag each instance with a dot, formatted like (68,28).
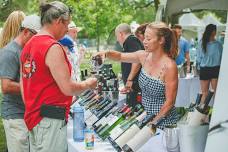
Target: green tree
(98,17)
(6,7)
(27,6)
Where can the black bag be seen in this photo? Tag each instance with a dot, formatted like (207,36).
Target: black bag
(51,111)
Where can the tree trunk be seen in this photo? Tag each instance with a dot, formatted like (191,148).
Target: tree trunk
(97,30)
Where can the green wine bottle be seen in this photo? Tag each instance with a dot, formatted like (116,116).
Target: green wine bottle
(104,133)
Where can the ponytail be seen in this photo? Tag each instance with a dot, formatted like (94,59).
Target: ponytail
(170,38)
(174,45)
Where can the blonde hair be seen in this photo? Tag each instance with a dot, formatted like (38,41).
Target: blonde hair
(11,27)
(170,44)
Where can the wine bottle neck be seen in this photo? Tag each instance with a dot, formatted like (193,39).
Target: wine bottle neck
(198,98)
(145,121)
(156,124)
(208,99)
(204,108)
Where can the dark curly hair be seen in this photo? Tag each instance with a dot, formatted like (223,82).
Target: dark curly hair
(141,29)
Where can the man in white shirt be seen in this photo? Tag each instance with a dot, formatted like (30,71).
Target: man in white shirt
(79,53)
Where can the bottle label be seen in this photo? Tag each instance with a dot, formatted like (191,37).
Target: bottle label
(101,121)
(108,118)
(116,132)
(141,116)
(113,120)
(127,135)
(91,120)
(139,98)
(88,114)
(140,138)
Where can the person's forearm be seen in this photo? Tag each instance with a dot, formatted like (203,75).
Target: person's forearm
(165,109)
(12,88)
(78,87)
(135,67)
(21,85)
(113,55)
(22,90)
(132,57)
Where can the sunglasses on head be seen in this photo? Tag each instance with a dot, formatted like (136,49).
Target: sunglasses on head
(32,31)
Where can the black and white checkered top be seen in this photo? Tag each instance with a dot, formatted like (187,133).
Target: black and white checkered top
(153,97)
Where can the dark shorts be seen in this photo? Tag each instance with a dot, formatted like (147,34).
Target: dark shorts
(207,73)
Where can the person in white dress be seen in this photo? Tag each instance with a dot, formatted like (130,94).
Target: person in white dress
(79,51)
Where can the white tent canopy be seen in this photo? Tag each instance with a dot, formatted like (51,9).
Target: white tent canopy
(175,6)
(210,19)
(190,20)
(192,26)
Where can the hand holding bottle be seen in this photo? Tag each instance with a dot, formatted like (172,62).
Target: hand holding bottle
(98,60)
(91,82)
(129,85)
(124,90)
(101,54)
(153,125)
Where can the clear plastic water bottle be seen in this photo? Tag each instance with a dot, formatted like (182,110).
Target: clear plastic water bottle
(78,124)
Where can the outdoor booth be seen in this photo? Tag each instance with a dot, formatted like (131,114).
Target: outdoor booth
(214,135)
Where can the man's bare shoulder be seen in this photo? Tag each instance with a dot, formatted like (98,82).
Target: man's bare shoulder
(55,47)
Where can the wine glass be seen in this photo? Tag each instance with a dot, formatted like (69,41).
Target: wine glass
(97,64)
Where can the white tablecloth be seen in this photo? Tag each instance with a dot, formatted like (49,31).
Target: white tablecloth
(99,145)
(187,91)
(155,144)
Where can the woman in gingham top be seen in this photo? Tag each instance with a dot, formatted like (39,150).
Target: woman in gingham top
(159,77)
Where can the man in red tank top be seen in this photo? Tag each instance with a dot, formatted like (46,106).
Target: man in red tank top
(46,82)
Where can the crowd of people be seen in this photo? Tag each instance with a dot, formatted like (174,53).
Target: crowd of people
(40,73)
